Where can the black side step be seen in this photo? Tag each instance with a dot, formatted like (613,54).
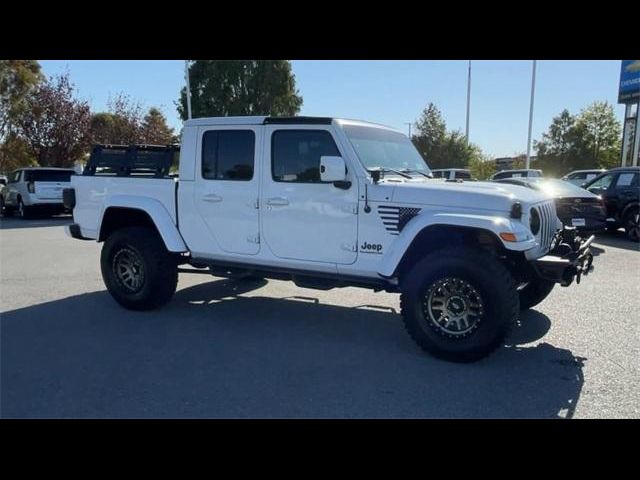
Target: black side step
(302,278)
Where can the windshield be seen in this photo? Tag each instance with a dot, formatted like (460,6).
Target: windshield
(380,148)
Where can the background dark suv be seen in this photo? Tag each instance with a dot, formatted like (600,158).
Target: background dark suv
(620,191)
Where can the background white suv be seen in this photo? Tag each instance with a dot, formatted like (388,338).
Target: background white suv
(31,189)
(527,173)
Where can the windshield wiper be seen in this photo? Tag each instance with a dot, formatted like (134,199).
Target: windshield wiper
(408,170)
(385,169)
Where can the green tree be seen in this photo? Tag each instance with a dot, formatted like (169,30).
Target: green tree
(55,124)
(482,167)
(588,140)
(18,78)
(431,131)
(15,153)
(122,124)
(600,133)
(241,87)
(155,130)
(439,147)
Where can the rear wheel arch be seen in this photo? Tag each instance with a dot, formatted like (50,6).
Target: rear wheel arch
(117,218)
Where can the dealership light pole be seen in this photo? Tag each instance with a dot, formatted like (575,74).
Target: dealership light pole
(186,76)
(533,92)
(409,123)
(468,101)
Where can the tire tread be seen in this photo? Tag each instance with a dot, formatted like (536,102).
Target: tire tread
(163,269)
(499,274)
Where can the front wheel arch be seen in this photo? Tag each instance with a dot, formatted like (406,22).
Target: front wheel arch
(436,237)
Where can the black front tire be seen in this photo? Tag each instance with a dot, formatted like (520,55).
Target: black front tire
(476,269)
(535,292)
(632,225)
(157,268)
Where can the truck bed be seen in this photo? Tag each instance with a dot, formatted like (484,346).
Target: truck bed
(125,175)
(96,193)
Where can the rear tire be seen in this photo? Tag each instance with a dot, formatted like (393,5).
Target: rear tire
(535,292)
(137,269)
(24,212)
(632,225)
(453,283)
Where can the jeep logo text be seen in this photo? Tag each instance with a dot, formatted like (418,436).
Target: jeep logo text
(371,247)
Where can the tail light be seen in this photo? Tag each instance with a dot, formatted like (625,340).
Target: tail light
(31,187)
(602,206)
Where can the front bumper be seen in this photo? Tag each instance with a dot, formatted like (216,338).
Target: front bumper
(569,259)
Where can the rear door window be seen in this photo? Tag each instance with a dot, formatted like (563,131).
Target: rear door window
(627,180)
(228,155)
(49,175)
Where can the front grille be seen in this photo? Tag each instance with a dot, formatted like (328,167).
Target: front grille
(566,208)
(548,222)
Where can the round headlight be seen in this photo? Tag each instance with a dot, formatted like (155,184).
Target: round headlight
(534,222)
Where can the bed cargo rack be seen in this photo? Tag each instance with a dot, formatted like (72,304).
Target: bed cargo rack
(153,161)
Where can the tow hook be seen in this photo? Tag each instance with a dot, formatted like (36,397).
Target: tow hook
(569,259)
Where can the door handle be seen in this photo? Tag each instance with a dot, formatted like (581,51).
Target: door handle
(278,202)
(212,197)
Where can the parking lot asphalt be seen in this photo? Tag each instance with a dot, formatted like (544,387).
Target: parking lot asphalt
(268,349)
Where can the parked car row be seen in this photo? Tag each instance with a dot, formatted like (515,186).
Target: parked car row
(575,206)
(590,200)
(619,189)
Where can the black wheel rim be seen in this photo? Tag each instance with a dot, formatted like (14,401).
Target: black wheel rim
(128,269)
(453,307)
(633,226)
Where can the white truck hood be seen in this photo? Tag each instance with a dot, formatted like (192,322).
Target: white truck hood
(466,195)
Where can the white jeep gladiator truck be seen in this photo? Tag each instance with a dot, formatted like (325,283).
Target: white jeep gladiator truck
(325,203)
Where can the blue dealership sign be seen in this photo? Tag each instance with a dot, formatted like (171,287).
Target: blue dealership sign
(629,82)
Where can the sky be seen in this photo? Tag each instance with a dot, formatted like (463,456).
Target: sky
(390,92)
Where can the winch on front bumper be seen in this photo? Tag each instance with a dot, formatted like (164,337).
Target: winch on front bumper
(568,258)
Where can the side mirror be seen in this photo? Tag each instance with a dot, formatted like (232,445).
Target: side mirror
(332,169)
